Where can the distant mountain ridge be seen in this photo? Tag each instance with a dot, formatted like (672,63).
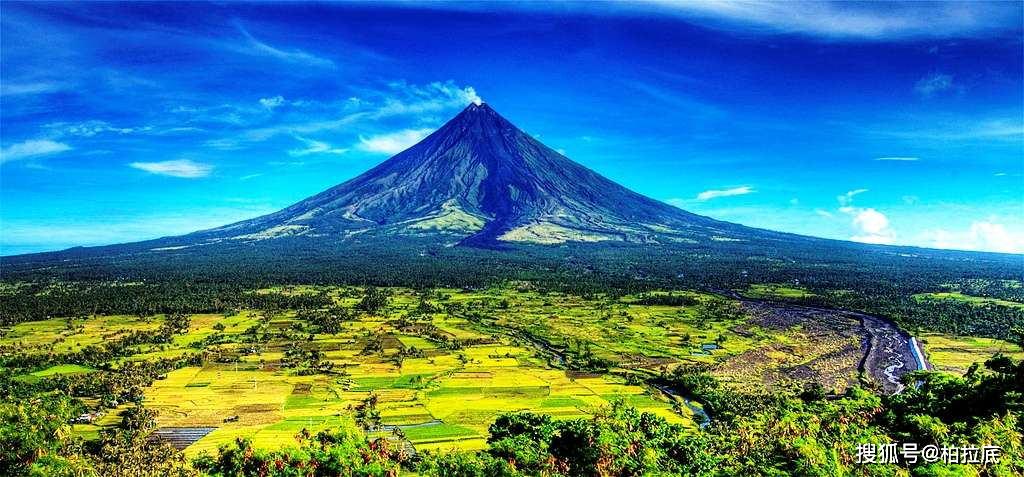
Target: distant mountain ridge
(481,181)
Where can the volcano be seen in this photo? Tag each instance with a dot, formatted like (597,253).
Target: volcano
(477,200)
(480,181)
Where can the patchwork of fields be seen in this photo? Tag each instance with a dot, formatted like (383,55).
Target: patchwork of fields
(435,369)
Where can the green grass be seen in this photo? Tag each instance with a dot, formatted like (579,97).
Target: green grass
(311,423)
(976,300)
(563,401)
(440,432)
(775,290)
(63,369)
(405,381)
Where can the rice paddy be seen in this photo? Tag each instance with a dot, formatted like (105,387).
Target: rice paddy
(955,354)
(434,370)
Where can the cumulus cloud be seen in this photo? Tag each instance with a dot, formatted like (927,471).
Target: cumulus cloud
(314,147)
(869,225)
(715,193)
(271,103)
(31,148)
(983,235)
(932,84)
(177,168)
(392,143)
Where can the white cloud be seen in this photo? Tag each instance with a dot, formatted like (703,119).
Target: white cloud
(12,89)
(878,21)
(90,128)
(177,168)
(681,101)
(434,97)
(399,100)
(315,147)
(31,148)
(994,237)
(715,193)
(824,213)
(952,128)
(933,83)
(271,103)
(898,158)
(984,235)
(392,143)
(871,226)
(865,20)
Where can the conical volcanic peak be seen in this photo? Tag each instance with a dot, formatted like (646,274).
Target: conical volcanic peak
(479,180)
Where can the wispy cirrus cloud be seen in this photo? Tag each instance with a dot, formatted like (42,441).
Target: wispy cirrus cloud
(399,99)
(314,147)
(9,88)
(824,213)
(677,99)
(254,46)
(90,128)
(898,158)
(716,193)
(932,84)
(394,142)
(272,102)
(849,20)
(949,128)
(183,168)
(847,198)
(31,148)
(872,21)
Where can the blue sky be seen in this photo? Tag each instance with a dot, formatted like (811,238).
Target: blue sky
(884,123)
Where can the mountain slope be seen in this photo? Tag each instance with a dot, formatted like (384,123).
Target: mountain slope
(469,204)
(480,181)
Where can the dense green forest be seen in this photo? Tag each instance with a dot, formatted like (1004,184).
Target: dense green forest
(892,297)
